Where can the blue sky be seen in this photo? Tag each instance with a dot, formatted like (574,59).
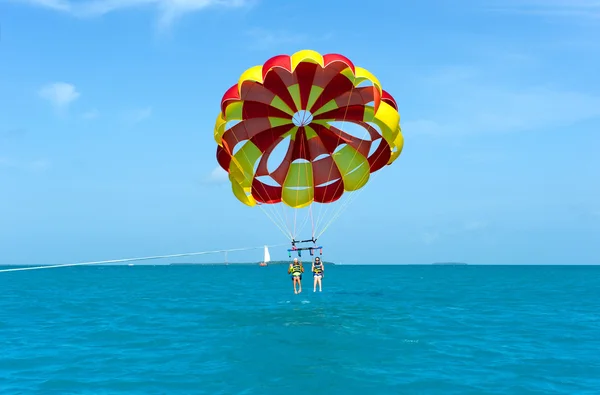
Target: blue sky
(107,114)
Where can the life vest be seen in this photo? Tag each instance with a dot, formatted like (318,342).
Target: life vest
(296,268)
(318,269)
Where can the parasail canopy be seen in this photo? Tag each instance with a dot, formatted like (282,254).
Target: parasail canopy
(296,103)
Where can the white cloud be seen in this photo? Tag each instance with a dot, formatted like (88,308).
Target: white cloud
(218,175)
(169,9)
(59,94)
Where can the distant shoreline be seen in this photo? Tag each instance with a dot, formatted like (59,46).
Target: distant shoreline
(272,263)
(449,263)
(285,263)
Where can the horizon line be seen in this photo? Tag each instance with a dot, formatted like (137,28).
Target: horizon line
(335,264)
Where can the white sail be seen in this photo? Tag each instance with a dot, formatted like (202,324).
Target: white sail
(267,255)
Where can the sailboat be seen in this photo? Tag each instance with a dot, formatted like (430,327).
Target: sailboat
(267,257)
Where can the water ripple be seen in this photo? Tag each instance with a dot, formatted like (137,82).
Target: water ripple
(241,330)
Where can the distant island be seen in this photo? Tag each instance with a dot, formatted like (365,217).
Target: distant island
(307,261)
(449,263)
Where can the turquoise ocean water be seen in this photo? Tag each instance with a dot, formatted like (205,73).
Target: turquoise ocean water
(241,330)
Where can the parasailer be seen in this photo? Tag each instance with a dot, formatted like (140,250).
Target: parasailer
(295,270)
(318,273)
(296,104)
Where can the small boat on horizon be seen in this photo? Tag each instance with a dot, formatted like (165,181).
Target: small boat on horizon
(266,258)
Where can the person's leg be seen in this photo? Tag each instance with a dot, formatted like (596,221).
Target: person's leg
(316,280)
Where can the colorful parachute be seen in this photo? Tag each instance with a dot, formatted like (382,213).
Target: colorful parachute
(301,97)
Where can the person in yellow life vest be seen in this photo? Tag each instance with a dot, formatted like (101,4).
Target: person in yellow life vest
(295,270)
(318,272)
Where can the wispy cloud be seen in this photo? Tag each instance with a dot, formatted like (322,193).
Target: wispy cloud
(469,102)
(59,94)
(169,10)
(218,176)
(429,237)
(264,39)
(139,115)
(555,8)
